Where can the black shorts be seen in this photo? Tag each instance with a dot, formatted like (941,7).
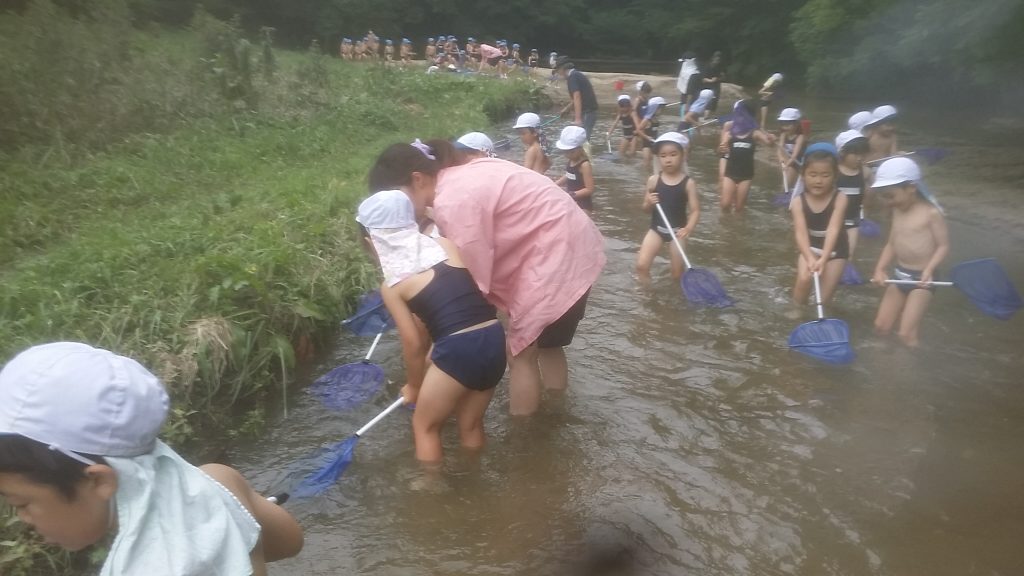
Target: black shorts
(475,359)
(493,61)
(560,333)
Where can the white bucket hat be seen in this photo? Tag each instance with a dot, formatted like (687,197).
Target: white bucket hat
(846,137)
(475,141)
(881,114)
(789,115)
(401,249)
(896,171)
(527,120)
(386,209)
(572,137)
(623,98)
(674,137)
(859,120)
(77,399)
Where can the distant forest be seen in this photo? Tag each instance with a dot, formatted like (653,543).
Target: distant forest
(834,46)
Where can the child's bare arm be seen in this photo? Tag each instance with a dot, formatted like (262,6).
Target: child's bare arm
(693,200)
(884,259)
(414,345)
(587,174)
(939,231)
(802,236)
(650,198)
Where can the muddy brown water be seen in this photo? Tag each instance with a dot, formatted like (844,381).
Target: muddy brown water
(692,441)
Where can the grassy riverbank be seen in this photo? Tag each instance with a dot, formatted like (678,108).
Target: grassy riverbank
(186,198)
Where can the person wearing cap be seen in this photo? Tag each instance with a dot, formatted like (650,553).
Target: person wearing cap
(859,121)
(490,56)
(405,51)
(426,279)
(714,75)
(918,242)
(552,60)
(80,462)
(473,51)
(533,61)
(515,61)
(676,193)
(625,115)
(881,133)
(473,145)
(359,51)
(767,94)
(389,50)
(582,99)
(532,251)
(372,45)
(689,81)
(737,147)
(647,130)
(429,50)
(791,142)
(534,158)
(578,179)
(818,210)
(852,181)
(346,49)
(697,111)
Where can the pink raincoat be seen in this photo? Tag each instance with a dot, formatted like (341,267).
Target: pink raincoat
(532,251)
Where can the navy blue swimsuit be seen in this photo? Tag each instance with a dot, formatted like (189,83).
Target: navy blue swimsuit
(574,183)
(853,187)
(673,200)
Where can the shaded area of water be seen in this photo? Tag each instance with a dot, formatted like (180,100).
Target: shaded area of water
(692,441)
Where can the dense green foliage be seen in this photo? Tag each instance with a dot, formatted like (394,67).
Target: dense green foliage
(186,198)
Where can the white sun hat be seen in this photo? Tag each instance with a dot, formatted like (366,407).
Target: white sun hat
(387,209)
(623,98)
(475,141)
(527,120)
(846,137)
(881,114)
(859,120)
(896,171)
(789,115)
(674,137)
(77,399)
(572,137)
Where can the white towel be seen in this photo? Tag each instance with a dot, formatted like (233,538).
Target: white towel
(174,520)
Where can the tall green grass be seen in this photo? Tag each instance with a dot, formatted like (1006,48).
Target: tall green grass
(192,206)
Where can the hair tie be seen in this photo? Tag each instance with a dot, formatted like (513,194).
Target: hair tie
(426,150)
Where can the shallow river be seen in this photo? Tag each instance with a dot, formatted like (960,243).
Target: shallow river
(692,441)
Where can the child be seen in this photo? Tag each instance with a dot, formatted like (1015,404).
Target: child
(676,192)
(360,50)
(346,48)
(881,133)
(791,140)
(626,116)
(80,461)
(406,51)
(918,240)
(737,146)
(552,60)
(696,112)
(767,94)
(533,61)
(578,179)
(389,50)
(430,50)
(528,126)
(818,212)
(647,130)
(425,281)
(515,61)
(852,181)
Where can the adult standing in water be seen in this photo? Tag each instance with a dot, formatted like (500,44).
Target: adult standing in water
(714,74)
(689,81)
(582,99)
(531,250)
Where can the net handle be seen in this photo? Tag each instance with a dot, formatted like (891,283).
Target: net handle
(672,233)
(373,346)
(394,405)
(817,296)
(916,283)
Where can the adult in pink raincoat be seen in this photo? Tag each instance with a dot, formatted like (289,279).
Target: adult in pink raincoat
(532,251)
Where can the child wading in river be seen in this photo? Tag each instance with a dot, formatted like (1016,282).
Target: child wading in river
(425,278)
(818,209)
(80,462)
(791,143)
(737,146)
(918,241)
(852,181)
(625,115)
(676,192)
(528,127)
(881,133)
(578,179)
(647,130)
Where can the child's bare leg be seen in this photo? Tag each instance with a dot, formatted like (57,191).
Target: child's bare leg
(470,416)
(830,278)
(438,397)
(524,382)
(913,311)
(649,248)
(852,234)
(802,287)
(554,368)
(648,159)
(727,192)
(742,189)
(888,310)
(676,261)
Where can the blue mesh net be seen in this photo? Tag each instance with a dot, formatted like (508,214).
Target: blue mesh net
(931,155)
(701,287)
(869,228)
(988,287)
(827,340)
(781,199)
(371,316)
(850,276)
(331,464)
(349,385)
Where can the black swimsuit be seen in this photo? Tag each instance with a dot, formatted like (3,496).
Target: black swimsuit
(740,164)
(853,187)
(628,127)
(574,183)
(673,200)
(817,228)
